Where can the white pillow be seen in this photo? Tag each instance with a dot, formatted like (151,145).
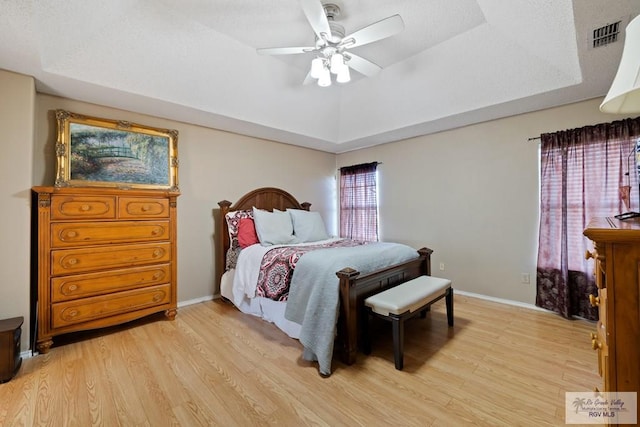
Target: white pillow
(273,228)
(308,226)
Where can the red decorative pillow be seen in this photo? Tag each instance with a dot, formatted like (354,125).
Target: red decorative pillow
(247,235)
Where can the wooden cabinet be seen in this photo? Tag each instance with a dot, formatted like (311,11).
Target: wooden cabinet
(10,360)
(617,270)
(101,257)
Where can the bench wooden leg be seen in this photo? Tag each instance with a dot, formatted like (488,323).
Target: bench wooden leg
(366,338)
(398,341)
(449,301)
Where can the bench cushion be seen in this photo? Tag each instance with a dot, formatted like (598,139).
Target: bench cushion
(408,296)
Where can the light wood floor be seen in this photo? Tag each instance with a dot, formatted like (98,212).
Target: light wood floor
(499,366)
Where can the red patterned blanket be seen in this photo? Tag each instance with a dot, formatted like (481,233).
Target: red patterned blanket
(276,268)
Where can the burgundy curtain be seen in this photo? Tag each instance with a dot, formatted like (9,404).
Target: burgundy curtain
(359,202)
(582,172)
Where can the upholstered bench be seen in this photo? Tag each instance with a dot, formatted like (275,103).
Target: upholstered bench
(403,302)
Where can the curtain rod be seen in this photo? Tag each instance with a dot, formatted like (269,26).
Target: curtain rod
(534,138)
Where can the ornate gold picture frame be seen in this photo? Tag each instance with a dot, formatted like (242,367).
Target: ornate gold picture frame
(95,152)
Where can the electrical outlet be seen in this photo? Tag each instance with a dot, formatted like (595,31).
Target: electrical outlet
(442,266)
(525,279)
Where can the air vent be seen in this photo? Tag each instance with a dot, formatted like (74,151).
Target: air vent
(606,35)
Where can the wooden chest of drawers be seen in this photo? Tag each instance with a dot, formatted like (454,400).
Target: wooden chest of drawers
(101,257)
(617,269)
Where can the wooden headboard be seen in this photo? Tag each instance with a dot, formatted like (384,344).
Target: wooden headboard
(267,198)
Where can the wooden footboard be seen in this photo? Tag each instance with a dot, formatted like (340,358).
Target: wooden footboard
(355,288)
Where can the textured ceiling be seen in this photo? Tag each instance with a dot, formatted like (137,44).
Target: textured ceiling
(456,62)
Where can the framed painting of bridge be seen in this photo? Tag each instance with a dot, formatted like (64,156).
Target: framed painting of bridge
(95,152)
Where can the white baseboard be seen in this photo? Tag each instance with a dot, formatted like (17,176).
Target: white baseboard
(456,291)
(197,300)
(501,300)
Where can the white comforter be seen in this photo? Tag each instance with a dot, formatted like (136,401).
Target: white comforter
(245,281)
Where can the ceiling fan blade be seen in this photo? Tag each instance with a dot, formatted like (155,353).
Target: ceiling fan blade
(361,65)
(314,11)
(284,50)
(377,31)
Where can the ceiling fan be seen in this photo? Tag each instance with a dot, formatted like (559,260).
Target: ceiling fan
(332,45)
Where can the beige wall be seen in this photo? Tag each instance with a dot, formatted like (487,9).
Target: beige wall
(214,165)
(471,194)
(17,99)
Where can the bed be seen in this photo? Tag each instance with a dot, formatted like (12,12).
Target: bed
(354,286)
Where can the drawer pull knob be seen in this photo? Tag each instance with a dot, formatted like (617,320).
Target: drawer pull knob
(73,287)
(594,300)
(157,253)
(588,255)
(70,314)
(596,345)
(155,232)
(72,261)
(85,208)
(145,208)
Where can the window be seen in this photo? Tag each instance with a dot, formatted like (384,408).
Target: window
(359,202)
(582,174)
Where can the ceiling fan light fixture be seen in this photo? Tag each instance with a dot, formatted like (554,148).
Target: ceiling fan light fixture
(317,66)
(337,63)
(325,78)
(344,76)
(331,43)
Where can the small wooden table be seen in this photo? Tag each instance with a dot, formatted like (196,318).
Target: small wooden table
(10,360)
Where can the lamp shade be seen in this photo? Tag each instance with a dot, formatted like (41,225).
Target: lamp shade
(325,78)
(337,63)
(316,67)
(624,94)
(343,75)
